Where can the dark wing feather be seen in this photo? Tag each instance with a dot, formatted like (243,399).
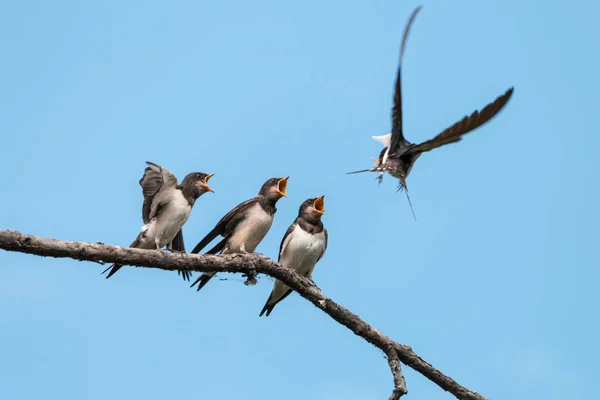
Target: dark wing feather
(177,244)
(154,179)
(397,134)
(467,124)
(226,225)
(326,239)
(290,229)
(218,247)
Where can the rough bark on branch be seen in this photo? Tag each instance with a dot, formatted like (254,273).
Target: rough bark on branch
(247,264)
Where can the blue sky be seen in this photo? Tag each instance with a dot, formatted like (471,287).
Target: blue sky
(495,284)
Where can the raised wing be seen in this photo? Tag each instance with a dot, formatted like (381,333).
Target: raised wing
(466,125)
(397,134)
(384,139)
(226,225)
(155,178)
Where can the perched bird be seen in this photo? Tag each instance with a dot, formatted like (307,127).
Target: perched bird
(245,226)
(302,247)
(399,155)
(166,208)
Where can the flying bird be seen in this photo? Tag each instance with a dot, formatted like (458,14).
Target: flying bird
(244,227)
(166,208)
(303,245)
(399,155)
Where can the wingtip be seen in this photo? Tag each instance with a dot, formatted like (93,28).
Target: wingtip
(266,309)
(152,165)
(503,99)
(201,281)
(113,270)
(406,32)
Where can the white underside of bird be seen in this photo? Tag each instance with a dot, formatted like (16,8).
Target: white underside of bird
(249,233)
(301,251)
(161,230)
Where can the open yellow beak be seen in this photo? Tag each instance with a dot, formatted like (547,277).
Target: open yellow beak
(282,186)
(320,205)
(205,183)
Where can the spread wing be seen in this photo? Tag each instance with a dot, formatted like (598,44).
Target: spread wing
(154,180)
(397,134)
(226,225)
(466,125)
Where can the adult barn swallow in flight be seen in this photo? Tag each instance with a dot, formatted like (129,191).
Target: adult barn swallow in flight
(399,155)
(166,208)
(302,247)
(244,227)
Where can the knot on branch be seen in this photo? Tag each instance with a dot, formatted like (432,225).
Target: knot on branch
(250,278)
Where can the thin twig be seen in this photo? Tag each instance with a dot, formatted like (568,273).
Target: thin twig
(399,382)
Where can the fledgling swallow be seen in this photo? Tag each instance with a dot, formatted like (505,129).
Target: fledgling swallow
(399,155)
(166,208)
(244,227)
(303,245)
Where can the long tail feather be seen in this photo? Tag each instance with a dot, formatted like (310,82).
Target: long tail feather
(362,170)
(113,269)
(202,280)
(185,274)
(401,187)
(268,307)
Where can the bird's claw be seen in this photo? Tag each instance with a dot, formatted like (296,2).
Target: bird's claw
(175,251)
(312,283)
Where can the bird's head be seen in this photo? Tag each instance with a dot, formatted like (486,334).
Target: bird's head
(313,209)
(198,183)
(274,188)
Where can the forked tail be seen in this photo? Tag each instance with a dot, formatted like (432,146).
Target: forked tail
(203,280)
(113,269)
(402,186)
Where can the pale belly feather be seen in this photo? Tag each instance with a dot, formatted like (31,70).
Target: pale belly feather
(301,253)
(170,221)
(250,232)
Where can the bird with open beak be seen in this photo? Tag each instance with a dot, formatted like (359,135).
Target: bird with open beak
(399,155)
(303,245)
(244,227)
(166,208)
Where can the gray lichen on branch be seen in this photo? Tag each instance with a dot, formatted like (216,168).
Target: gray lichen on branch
(247,264)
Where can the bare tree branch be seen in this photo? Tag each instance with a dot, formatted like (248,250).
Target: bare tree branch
(247,264)
(394,362)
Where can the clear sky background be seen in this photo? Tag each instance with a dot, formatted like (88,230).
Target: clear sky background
(496,284)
